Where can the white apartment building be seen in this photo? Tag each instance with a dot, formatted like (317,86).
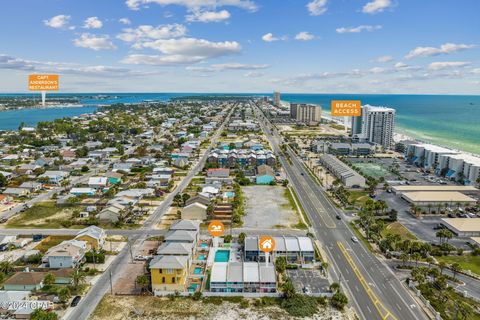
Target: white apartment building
(426,155)
(460,166)
(375,125)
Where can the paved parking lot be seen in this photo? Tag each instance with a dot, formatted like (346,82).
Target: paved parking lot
(312,279)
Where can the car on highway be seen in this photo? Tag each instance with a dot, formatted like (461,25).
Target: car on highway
(75,301)
(3,220)
(338,217)
(355,239)
(302,173)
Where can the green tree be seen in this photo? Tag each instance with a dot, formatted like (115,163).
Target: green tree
(49,280)
(143,281)
(456,268)
(339,300)
(78,278)
(335,287)
(288,289)
(6,267)
(280,264)
(241,238)
(3,181)
(64,294)
(40,314)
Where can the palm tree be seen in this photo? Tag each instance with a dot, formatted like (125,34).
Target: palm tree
(6,267)
(324,267)
(78,278)
(429,206)
(465,310)
(456,268)
(405,258)
(288,289)
(442,265)
(416,256)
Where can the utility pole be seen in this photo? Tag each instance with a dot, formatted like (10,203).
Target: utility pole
(111,286)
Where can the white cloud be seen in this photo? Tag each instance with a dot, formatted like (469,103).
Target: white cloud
(376,6)
(358,29)
(208,16)
(92,23)
(304,36)
(147,32)
(228,66)
(446,48)
(94,42)
(476,71)
(447,65)
(58,22)
(14,63)
(270,38)
(125,21)
(384,59)
(377,70)
(183,51)
(253,74)
(195,4)
(317,7)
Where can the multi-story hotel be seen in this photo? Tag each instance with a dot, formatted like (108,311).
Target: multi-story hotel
(310,114)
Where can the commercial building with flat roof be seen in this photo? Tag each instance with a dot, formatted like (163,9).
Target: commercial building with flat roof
(463,227)
(442,188)
(432,198)
(349,177)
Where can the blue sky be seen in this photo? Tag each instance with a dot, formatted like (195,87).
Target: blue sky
(311,46)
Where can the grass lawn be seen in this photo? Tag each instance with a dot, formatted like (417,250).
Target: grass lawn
(468,262)
(40,216)
(361,237)
(358,197)
(51,241)
(291,196)
(398,228)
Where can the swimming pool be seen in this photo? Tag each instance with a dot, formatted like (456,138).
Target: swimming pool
(222,255)
(229,194)
(201,257)
(197,270)
(204,245)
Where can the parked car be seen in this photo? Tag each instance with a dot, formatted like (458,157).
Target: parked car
(75,301)
(355,239)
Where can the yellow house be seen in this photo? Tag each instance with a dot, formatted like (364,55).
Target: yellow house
(168,273)
(94,235)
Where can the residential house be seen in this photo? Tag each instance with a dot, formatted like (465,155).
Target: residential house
(187,225)
(54,177)
(24,281)
(168,273)
(98,182)
(94,235)
(175,249)
(68,254)
(83,191)
(198,198)
(16,192)
(32,186)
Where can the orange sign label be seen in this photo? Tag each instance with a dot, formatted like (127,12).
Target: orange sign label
(216,228)
(266,244)
(346,108)
(43,82)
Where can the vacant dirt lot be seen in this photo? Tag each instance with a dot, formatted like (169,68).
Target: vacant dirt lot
(267,208)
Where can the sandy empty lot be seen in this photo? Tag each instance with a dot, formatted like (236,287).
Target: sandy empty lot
(267,207)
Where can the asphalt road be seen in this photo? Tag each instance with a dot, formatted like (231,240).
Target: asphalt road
(373,289)
(88,303)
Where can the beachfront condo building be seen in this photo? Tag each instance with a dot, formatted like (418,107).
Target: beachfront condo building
(309,114)
(375,125)
(276,98)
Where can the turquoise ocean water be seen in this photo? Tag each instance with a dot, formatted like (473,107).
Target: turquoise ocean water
(447,120)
